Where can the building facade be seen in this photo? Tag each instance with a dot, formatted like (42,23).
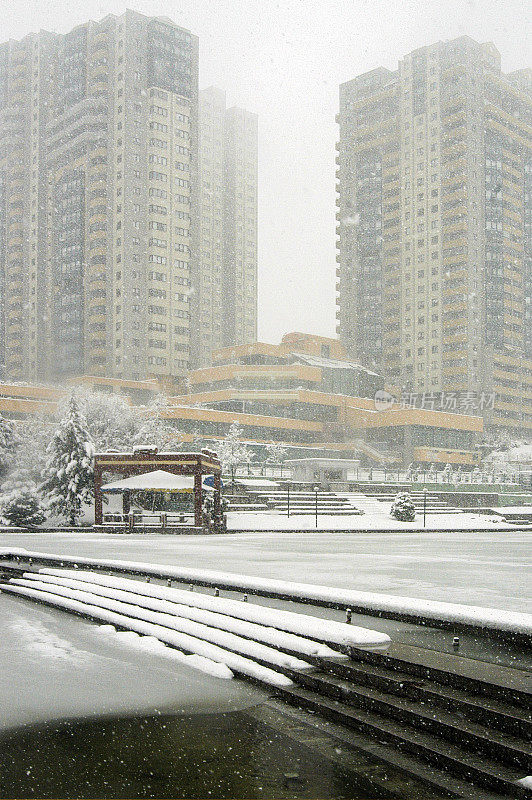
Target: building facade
(434,213)
(98,175)
(227,287)
(303,393)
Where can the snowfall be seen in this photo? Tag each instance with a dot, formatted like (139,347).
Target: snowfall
(86,667)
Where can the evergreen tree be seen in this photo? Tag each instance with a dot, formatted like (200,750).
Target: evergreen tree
(24,509)
(69,471)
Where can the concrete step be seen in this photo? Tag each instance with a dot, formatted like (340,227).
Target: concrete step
(331,512)
(425,745)
(485,680)
(306,504)
(247,507)
(472,735)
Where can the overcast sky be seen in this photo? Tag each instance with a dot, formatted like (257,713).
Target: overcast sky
(284,60)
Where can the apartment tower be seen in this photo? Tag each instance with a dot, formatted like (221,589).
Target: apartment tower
(98,173)
(227,286)
(434,214)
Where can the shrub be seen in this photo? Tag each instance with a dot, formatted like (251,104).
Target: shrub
(403,508)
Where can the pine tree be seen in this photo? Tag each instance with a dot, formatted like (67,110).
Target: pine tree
(24,509)
(69,471)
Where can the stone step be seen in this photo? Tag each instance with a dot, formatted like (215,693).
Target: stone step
(427,746)
(414,712)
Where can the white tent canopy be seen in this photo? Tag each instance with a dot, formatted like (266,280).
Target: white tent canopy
(157,481)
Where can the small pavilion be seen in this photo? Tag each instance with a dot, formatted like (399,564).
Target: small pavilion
(145,469)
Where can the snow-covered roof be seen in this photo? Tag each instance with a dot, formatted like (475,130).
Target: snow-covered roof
(332,363)
(157,481)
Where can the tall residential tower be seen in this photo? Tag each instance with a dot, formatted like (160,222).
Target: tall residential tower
(226,292)
(98,170)
(434,215)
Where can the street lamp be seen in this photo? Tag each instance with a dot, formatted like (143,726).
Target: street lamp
(316,493)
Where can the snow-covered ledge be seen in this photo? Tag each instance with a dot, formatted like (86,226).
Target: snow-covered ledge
(510,623)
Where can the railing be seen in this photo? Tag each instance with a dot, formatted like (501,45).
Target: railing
(393,475)
(149,519)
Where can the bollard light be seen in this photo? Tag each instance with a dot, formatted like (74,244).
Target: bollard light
(168,582)
(245,598)
(456,642)
(191,587)
(217,592)
(348,614)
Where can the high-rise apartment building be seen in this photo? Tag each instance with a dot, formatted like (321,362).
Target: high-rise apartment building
(98,175)
(434,222)
(226,292)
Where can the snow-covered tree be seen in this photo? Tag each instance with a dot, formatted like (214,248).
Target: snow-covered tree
(155,429)
(69,471)
(16,481)
(23,509)
(403,508)
(232,451)
(19,500)
(196,441)
(9,442)
(275,453)
(115,424)
(35,434)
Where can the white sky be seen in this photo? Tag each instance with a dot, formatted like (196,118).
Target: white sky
(284,60)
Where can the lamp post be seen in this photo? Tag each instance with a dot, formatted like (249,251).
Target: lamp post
(316,493)
(424,505)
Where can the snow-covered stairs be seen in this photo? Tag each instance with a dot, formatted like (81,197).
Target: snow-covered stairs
(223,634)
(303,502)
(434,504)
(368,505)
(456,730)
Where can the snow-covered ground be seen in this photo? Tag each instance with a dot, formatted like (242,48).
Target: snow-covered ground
(79,669)
(377,520)
(56,666)
(484,568)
